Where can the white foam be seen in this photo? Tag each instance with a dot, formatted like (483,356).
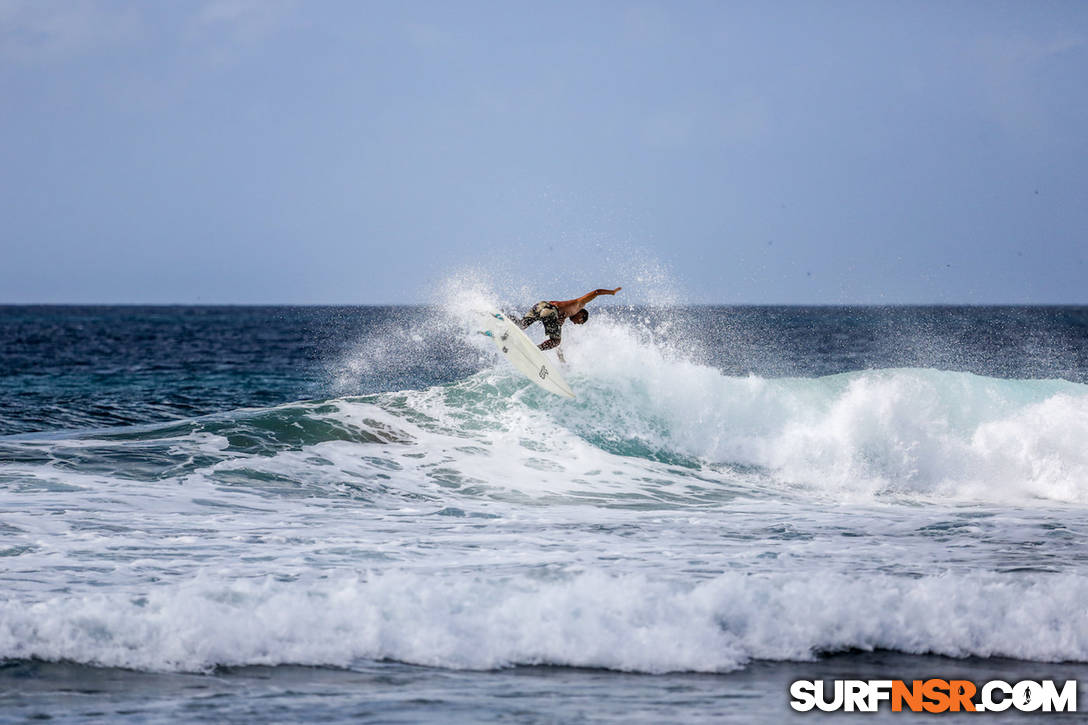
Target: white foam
(492,530)
(594,619)
(918,432)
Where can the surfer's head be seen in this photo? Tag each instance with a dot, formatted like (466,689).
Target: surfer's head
(580,317)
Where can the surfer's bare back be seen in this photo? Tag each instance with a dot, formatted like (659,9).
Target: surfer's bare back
(554,313)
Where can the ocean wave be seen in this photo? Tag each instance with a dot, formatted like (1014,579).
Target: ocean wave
(892,432)
(593,619)
(884,433)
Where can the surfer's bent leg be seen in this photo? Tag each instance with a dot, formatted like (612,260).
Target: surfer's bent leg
(548,314)
(540,313)
(554,330)
(553,327)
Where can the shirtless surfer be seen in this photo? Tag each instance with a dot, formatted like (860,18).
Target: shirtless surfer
(554,313)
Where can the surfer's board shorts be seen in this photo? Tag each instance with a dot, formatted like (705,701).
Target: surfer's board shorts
(547,314)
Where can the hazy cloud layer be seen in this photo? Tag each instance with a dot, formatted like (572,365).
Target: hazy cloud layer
(278,151)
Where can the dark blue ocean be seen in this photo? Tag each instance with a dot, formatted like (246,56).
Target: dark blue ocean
(251,514)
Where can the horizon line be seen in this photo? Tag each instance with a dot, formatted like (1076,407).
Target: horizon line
(605,304)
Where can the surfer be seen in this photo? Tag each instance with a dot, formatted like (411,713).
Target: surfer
(552,314)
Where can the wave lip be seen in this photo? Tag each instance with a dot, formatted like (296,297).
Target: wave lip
(925,434)
(626,623)
(900,431)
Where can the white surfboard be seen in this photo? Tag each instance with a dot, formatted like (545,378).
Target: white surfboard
(516,347)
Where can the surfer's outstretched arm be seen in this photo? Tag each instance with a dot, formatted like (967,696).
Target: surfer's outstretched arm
(580,302)
(590,296)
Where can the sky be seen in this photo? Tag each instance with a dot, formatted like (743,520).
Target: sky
(269,151)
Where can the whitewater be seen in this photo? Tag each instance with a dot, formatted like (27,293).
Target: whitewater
(679,516)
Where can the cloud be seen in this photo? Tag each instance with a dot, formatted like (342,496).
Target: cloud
(1011,67)
(735,122)
(244,19)
(646,25)
(426,37)
(224,30)
(36,32)
(669,129)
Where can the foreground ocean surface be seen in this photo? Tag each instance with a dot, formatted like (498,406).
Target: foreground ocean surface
(241,514)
